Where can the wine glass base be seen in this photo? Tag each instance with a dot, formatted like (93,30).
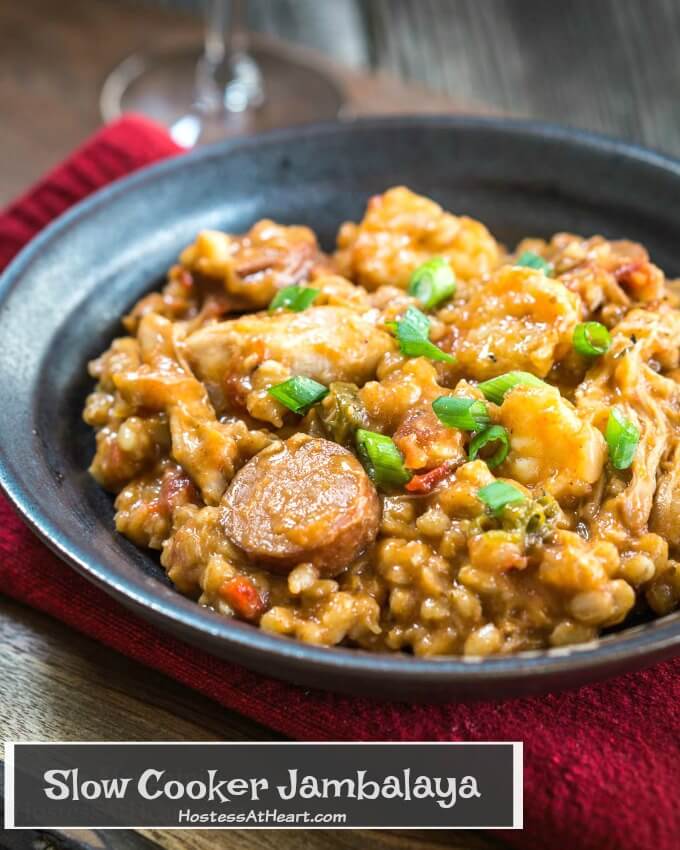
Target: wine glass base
(162,85)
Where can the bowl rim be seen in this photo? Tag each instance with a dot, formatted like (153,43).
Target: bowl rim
(205,628)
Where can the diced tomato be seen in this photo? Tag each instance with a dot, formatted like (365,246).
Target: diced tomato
(425,442)
(186,279)
(427,481)
(236,384)
(175,488)
(642,279)
(215,306)
(243,597)
(624,273)
(114,459)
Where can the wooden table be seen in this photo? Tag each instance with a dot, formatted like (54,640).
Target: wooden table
(53,66)
(54,683)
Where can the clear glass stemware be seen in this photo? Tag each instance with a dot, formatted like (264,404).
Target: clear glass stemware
(223,87)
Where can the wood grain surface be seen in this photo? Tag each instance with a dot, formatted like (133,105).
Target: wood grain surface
(605,65)
(58,685)
(55,56)
(54,683)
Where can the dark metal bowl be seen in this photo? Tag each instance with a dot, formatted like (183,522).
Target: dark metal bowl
(62,298)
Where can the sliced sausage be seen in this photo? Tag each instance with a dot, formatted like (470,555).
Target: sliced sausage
(305,500)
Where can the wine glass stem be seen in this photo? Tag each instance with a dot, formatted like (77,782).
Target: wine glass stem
(224,30)
(227,78)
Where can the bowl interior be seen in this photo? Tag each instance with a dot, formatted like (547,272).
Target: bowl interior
(63,298)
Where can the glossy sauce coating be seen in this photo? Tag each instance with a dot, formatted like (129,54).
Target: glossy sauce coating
(305,500)
(267,514)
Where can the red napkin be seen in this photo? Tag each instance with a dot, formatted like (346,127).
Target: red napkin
(602,766)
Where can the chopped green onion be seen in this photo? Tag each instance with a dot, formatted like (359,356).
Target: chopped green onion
(498,494)
(622,436)
(432,283)
(591,339)
(295,298)
(381,459)
(468,414)
(496,388)
(531,260)
(413,332)
(494,434)
(298,394)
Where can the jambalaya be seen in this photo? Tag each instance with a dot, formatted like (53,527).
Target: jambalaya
(424,442)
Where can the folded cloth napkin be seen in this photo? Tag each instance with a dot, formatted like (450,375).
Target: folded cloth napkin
(602,764)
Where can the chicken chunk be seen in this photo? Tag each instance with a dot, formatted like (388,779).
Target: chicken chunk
(631,375)
(401,230)
(324,343)
(254,266)
(207,449)
(665,515)
(550,445)
(519,319)
(622,267)
(303,501)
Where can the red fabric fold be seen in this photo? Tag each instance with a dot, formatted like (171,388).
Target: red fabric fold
(602,766)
